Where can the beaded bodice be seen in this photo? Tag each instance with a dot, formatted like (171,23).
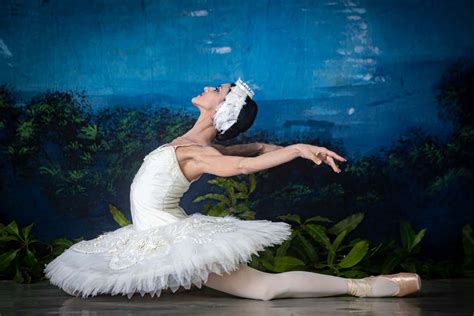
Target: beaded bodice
(157,188)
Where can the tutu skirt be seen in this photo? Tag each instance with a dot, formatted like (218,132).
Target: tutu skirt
(128,261)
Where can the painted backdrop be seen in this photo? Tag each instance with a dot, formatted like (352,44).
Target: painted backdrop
(356,73)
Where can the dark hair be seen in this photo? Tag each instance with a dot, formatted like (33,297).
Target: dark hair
(245,120)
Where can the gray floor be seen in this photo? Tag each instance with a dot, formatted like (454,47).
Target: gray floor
(437,297)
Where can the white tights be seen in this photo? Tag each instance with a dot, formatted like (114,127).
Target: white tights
(250,283)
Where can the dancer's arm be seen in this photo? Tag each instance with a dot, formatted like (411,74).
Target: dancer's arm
(245,150)
(213,162)
(266,148)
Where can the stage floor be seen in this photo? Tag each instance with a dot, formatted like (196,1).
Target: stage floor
(437,297)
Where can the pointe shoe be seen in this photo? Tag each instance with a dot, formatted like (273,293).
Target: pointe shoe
(407,283)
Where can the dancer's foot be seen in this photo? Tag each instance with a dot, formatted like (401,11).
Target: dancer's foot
(399,284)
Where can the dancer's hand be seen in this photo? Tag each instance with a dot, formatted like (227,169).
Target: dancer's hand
(320,154)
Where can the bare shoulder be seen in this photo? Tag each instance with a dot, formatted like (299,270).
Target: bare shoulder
(191,148)
(195,152)
(190,158)
(211,150)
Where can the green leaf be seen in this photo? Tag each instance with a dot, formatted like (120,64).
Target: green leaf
(61,243)
(356,254)
(220,182)
(240,208)
(231,194)
(30,258)
(306,246)
(355,274)
(215,212)
(118,216)
(213,196)
(335,246)
(349,224)
(12,229)
(241,186)
(252,183)
(291,217)
(18,275)
(241,195)
(282,264)
(339,239)
(318,219)
(89,132)
(267,264)
(26,231)
(283,248)
(418,238)
(8,238)
(248,215)
(25,130)
(375,249)
(318,233)
(407,235)
(51,170)
(389,264)
(446,179)
(220,210)
(6,258)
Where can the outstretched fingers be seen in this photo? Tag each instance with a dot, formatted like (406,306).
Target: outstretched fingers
(328,157)
(316,159)
(330,161)
(321,154)
(334,155)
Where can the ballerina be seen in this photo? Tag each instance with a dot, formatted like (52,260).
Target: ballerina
(167,248)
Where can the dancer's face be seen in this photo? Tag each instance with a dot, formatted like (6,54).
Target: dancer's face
(212,96)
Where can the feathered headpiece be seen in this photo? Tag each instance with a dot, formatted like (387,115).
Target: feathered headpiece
(228,111)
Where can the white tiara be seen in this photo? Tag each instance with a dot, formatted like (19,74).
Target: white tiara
(228,111)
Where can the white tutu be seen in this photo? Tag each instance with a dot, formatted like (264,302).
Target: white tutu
(164,247)
(126,261)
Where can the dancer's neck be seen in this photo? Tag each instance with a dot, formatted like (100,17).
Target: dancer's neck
(202,132)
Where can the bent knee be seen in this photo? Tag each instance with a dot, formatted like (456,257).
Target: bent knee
(266,298)
(267,294)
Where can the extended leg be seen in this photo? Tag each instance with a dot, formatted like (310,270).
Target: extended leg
(251,283)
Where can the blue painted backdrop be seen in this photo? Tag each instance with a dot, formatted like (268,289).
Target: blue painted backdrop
(363,70)
(366,66)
